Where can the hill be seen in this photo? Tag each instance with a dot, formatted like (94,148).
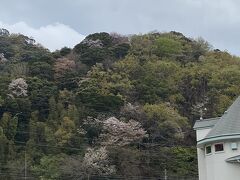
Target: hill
(113,106)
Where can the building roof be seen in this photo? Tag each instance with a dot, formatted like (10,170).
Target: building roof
(205,123)
(227,127)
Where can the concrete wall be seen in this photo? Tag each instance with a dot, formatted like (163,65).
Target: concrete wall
(201,164)
(201,134)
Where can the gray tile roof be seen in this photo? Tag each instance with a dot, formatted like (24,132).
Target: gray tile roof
(205,123)
(229,123)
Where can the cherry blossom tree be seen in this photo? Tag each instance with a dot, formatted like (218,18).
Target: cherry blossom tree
(18,88)
(114,133)
(119,133)
(2,58)
(62,66)
(92,43)
(96,161)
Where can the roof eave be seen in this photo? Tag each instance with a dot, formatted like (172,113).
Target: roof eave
(225,137)
(205,127)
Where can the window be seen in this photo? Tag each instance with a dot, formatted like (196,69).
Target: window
(219,147)
(234,146)
(208,149)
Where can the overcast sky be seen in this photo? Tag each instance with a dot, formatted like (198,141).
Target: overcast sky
(58,23)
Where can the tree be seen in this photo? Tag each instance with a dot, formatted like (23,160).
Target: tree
(19,70)
(1,101)
(200,47)
(2,58)
(96,162)
(48,168)
(9,125)
(37,138)
(42,70)
(65,73)
(53,115)
(156,81)
(166,46)
(3,147)
(62,66)
(100,47)
(95,97)
(4,32)
(72,167)
(65,131)
(164,123)
(120,133)
(18,87)
(40,91)
(65,51)
(113,105)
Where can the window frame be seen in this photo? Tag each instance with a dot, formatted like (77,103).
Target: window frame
(220,143)
(234,148)
(206,152)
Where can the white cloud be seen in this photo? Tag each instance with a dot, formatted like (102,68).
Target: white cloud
(53,36)
(218,21)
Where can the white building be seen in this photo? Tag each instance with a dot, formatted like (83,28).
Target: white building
(218,145)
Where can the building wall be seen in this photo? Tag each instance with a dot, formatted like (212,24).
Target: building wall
(214,165)
(201,134)
(201,164)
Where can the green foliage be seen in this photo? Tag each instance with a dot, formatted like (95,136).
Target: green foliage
(3,150)
(157,81)
(64,51)
(68,81)
(160,80)
(17,47)
(9,125)
(48,169)
(1,101)
(91,96)
(101,91)
(121,50)
(65,131)
(40,91)
(4,82)
(6,47)
(104,37)
(165,46)
(164,123)
(42,70)
(100,47)
(184,162)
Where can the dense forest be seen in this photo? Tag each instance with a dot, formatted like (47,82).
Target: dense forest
(114,106)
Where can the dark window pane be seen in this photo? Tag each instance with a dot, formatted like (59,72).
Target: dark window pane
(219,147)
(208,150)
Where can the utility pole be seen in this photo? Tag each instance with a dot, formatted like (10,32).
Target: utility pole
(165,174)
(25,165)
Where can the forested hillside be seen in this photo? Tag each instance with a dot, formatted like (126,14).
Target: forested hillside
(113,106)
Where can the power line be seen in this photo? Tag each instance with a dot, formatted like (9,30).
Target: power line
(99,145)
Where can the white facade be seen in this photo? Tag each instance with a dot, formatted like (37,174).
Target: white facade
(200,134)
(218,145)
(213,166)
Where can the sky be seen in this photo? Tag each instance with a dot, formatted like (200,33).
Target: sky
(59,23)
